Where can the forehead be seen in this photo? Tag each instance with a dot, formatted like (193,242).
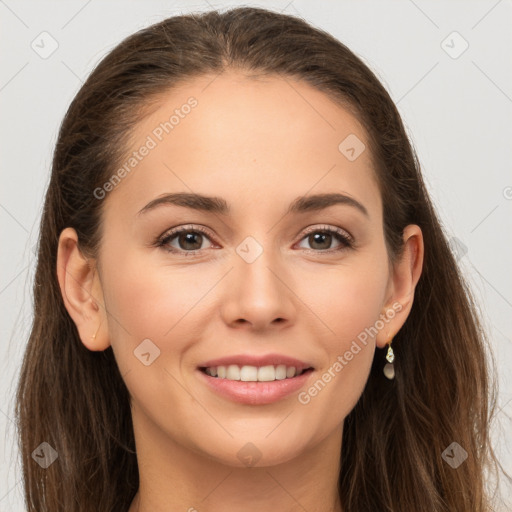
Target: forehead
(247,139)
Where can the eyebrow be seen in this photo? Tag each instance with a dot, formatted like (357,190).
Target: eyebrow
(219,205)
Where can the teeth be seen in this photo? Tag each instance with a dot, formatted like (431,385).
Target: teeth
(266,374)
(233,372)
(290,372)
(281,372)
(213,371)
(253,373)
(249,373)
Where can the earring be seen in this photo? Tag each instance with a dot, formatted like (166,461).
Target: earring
(389,369)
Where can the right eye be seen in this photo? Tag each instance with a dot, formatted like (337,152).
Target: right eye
(188,240)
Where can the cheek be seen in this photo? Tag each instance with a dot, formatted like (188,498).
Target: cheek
(148,300)
(349,302)
(348,298)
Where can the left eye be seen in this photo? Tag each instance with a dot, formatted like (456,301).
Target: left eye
(322,239)
(188,240)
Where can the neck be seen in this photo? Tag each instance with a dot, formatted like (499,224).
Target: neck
(173,477)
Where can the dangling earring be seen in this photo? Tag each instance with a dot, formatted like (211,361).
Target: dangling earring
(389,369)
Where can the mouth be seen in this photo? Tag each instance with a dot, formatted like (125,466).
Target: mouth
(250,373)
(255,380)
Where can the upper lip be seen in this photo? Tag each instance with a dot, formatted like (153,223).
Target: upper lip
(255,360)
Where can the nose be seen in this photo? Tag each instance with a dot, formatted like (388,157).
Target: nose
(258,295)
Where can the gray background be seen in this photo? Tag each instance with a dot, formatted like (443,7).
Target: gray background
(457,109)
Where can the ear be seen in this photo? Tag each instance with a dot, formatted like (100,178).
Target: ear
(403,281)
(81,291)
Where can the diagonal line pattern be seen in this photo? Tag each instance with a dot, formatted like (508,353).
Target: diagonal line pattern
(199,300)
(10,490)
(279,424)
(424,14)
(506,337)
(286,6)
(484,218)
(301,300)
(212,80)
(81,81)
(482,276)
(297,12)
(13,13)
(14,76)
(217,486)
(200,404)
(12,280)
(210,5)
(8,417)
(501,407)
(76,14)
(418,82)
(14,218)
(286,80)
(492,81)
(285,490)
(486,14)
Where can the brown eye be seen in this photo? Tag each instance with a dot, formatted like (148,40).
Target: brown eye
(189,240)
(321,240)
(183,240)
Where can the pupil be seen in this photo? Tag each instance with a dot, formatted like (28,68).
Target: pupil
(188,238)
(317,238)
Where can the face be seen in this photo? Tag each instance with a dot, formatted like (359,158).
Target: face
(256,278)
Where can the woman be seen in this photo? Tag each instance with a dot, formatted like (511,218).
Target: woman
(259,367)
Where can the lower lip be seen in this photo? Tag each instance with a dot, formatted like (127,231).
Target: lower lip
(256,393)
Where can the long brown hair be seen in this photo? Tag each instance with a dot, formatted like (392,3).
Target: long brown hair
(76,400)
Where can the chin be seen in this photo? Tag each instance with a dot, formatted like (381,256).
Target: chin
(257,451)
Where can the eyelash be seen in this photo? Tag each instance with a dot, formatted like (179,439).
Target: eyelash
(342,236)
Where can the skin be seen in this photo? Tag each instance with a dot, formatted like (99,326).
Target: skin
(259,144)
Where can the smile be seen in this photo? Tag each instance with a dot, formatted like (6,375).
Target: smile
(255,379)
(249,373)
